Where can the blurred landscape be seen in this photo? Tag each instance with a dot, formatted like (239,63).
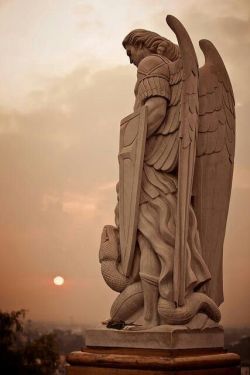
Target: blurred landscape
(37,348)
(71,337)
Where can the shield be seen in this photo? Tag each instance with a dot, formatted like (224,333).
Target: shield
(131,154)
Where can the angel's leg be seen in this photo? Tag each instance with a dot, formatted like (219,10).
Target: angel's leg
(149,273)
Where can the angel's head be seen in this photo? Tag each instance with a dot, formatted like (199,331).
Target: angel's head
(140,43)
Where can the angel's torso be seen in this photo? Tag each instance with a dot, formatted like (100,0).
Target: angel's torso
(158,175)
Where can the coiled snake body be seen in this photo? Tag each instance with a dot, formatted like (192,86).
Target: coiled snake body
(130,299)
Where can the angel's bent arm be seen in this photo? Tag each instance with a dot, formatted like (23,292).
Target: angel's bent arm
(156,108)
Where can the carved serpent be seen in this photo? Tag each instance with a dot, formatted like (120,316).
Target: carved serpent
(130,299)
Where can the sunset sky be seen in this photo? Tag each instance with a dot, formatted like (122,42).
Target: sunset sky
(66,83)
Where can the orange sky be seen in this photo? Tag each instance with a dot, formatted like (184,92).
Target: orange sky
(65,85)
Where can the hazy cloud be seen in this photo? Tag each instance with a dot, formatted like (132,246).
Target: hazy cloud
(59,167)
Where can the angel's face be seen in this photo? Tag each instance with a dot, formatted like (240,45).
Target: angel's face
(137,53)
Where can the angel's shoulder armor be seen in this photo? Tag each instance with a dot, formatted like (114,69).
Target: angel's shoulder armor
(153,65)
(152,79)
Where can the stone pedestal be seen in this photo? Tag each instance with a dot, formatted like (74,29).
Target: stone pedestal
(160,350)
(161,337)
(118,361)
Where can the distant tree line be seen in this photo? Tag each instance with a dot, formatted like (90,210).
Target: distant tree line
(18,354)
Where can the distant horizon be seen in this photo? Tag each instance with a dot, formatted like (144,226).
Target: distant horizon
(98,324)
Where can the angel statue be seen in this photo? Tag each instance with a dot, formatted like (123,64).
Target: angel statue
(164,256)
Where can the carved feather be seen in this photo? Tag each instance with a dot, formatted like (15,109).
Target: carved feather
(175,93)
(219,103)
(186,153)
(155,148)
(169,151)
(172,120)
(214,163)
(172,158)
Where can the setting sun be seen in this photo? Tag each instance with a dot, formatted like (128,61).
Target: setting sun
(58,280)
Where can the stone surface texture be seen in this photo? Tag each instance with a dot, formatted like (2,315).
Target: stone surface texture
(164,256)
(160,337)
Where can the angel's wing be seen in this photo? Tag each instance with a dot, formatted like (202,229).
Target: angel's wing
(174,145)
(214,163)
(187,148)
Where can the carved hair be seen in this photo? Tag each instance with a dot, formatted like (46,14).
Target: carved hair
(153,41)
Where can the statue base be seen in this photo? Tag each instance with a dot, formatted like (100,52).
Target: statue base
(125,361)
(160,337)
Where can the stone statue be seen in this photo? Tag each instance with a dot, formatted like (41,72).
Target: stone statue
(176,156)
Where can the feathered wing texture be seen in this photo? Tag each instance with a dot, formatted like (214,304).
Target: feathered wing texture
(214,163)
(187,135)
(175,145)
